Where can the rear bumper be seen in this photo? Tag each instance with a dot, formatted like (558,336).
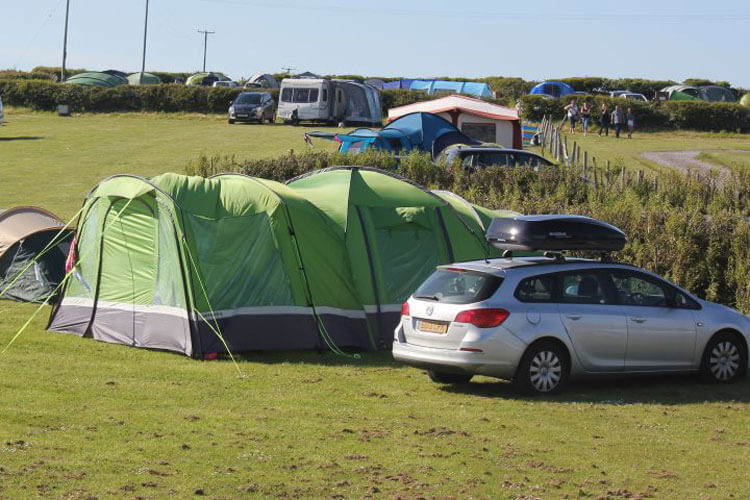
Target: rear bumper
(496,361)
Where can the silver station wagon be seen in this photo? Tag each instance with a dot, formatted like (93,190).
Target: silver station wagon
(539,320)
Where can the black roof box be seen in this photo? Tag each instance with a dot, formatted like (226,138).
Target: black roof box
(554,233)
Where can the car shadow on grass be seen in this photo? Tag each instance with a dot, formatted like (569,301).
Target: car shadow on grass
(21,138)
(667,390)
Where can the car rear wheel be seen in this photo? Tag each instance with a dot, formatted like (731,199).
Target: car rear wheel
(449,378)
(231,122)
(724,360)
(543,369)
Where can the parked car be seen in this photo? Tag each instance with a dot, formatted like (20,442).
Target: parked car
(226,84)
(538,321)
(473,157)
(252,107)
(634,96)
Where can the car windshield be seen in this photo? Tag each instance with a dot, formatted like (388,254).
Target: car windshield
(248,99)
(454,286)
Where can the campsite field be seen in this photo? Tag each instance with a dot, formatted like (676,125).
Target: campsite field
(82,419)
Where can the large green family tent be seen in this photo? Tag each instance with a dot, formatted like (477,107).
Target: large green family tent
(206,79)
(171,262)
(25,273)
(395,233)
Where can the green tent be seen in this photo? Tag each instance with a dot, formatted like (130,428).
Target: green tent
(167,263)
(682,96)
(143,79)
(324,261)
(395,231)
(207,79)
(97,79)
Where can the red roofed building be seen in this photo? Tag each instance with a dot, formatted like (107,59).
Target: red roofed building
(480,120)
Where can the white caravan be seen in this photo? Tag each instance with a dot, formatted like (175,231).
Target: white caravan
(323,100)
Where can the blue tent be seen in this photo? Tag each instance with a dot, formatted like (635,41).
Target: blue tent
(552,89)
(432,86)
(413,132)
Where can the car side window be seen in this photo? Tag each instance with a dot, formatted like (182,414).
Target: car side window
(582,287)
(536,289)
(682,301)
(466,162)
(634,289)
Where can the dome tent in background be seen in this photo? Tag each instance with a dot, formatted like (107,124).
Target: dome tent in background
(97,79)
(143,79)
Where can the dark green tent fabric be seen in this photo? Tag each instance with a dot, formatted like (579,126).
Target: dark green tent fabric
(97,79)
(26,277)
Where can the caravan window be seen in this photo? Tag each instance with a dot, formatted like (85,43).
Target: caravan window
(325,95)
(286,95)
(304,95)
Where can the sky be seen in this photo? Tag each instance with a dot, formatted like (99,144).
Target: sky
(411,38)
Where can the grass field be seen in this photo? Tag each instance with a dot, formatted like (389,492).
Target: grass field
(82,419)
(738,161)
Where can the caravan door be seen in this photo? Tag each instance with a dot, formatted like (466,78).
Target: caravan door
(339,105)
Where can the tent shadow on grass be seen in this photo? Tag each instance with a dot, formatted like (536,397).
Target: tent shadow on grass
(325,358)
(22,138)
(666,390)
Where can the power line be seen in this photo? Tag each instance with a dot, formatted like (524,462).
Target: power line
(205,43)
(463,14)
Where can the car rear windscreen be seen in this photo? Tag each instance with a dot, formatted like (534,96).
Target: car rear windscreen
(458,286)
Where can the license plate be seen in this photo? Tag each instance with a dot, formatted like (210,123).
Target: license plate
(241,115)
(431,326)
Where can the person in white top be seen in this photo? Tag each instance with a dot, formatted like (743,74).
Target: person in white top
(572,113)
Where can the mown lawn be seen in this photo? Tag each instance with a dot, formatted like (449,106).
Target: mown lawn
(624,151)
(739,161)
(82,419)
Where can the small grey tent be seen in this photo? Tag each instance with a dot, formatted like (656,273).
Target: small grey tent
(25,232)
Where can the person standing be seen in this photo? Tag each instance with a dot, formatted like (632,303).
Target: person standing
(618,120)
(585,117)
(630,117)
(604,120)
(572,110)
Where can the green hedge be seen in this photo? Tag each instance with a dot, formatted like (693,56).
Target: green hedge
(686,229)
(690,115)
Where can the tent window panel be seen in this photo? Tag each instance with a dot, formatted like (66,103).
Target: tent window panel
(240,264)
(129,260)
(83,281)
(170,289)
(483,132)
(408,254)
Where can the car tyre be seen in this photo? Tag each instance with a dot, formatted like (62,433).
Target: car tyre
(724,360)
(543,369)
(449,378)
(231,122)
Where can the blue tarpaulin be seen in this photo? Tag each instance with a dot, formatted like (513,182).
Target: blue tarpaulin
(432,86)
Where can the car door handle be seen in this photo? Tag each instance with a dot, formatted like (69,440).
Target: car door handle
(638,320)
(574,317)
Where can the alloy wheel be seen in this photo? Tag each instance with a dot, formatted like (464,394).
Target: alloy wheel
(545,371)
(724,360)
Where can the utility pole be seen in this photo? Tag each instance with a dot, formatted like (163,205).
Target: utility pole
(65,41)
(145,30)
(288,70)
(205,42)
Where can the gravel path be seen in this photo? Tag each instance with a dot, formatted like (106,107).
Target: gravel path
(686,161)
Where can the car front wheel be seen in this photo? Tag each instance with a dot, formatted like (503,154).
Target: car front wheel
(543,369)
(724,360)
(449,378)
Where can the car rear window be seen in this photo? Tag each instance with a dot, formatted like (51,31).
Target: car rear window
(455,286)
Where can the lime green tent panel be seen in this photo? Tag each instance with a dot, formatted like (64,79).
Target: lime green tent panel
(682,96)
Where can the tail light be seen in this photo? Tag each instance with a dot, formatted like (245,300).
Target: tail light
(482,318)
(405,309)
